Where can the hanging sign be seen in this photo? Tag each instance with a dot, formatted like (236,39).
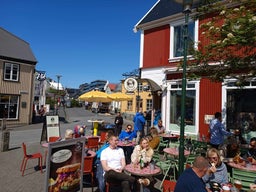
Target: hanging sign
(130,84)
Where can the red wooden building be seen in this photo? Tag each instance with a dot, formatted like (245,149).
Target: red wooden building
(160,53)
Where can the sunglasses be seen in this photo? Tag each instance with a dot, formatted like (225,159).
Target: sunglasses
(213,158)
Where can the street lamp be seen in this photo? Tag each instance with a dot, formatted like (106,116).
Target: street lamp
(187,5)
(58,77)
(58,87)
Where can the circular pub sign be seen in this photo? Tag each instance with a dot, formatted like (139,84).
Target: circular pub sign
(130,84)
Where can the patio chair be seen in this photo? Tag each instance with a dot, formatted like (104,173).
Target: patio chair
(190,159)
(165,166)
(92,143)
(88,168)
(102,138)
(165,182)
(26,157)
(159,150)
(246,177)
(53,139)
(169,185)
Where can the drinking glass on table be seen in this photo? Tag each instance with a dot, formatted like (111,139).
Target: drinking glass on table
(134,164)
(238,184)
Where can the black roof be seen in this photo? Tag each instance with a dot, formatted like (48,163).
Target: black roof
(14,48)
(163,8)
(160,10)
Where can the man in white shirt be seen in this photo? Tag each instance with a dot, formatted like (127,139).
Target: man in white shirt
(113,163)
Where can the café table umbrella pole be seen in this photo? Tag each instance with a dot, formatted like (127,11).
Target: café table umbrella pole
(95,96)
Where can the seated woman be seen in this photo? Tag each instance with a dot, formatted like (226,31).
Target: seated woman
(143,152)
(153,138)
(217,171)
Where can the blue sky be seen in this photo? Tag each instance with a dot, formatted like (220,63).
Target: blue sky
(82,40)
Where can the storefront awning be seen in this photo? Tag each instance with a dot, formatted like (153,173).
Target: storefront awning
(153,85)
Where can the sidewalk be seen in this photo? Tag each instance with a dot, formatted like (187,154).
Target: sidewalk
(10,161)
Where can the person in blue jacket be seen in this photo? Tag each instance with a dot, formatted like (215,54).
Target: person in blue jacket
(139,123)
(128,133)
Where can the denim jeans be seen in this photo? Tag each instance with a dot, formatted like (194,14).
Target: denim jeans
(99,176)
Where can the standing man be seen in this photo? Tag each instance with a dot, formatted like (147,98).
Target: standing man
(113,163)
(139,123)
(119,123)
(217,131)
(191,179)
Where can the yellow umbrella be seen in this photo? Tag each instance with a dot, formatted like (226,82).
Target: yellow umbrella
(95,96)
(118,96)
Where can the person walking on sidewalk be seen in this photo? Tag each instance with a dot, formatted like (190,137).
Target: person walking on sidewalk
(119,123)
(139,123)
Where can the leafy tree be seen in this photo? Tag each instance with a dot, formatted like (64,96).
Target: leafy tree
(229,30)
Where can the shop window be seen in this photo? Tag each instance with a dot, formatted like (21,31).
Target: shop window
(149,104)
(176,107)
(9,106)
(241,110)
(129,105)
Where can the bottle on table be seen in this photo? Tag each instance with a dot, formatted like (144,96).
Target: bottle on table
(141,162)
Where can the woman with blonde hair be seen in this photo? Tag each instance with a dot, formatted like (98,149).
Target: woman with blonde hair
(69,134)
(217,171)
(154,138)
(143,152)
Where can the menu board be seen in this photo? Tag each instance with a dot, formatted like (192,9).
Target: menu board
(64,168)
(52,126)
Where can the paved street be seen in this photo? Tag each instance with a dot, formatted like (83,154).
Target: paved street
(10,161)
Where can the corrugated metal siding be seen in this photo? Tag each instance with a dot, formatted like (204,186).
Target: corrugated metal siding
(156,47)
(210,102)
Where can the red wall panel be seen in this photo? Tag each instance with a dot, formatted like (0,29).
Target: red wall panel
(156,47)
(210,102)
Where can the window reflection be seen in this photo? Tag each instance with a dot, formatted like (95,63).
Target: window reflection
(176,107)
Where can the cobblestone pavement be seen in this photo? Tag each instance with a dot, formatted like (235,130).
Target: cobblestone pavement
(10,160)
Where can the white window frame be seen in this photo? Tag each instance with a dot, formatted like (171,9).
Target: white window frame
(149,104)
(129,105)
(174,127)
(11,65)
(177,23)
(225,87)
